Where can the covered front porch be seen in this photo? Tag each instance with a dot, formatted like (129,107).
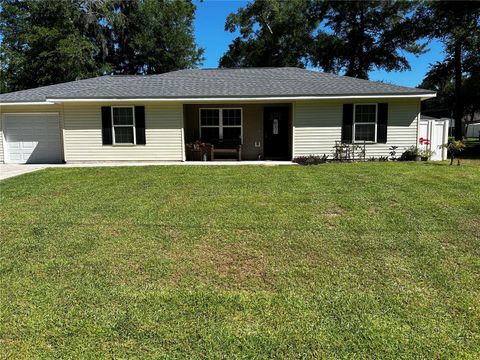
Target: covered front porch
(248,131)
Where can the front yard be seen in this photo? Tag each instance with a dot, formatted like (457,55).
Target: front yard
(337,260)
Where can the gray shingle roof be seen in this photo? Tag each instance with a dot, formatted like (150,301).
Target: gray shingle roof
(213,83)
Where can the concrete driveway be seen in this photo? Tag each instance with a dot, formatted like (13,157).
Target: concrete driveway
(11,170)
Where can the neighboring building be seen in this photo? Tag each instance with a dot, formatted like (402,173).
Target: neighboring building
(274,113)
(473,130)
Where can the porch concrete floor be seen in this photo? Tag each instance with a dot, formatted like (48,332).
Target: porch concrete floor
(11,170)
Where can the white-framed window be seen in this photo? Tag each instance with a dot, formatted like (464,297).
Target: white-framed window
(365,123)
(123,125)
(221,124)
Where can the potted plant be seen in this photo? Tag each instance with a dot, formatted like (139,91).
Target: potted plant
(425,154)
(197,147)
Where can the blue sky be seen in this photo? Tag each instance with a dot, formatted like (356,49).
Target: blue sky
(210,34)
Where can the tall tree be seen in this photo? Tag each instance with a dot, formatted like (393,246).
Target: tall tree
(349,36)
(457,25)
(153,36)
(357,36)
(51,41)
(440,79)
(272,33)
(43,43)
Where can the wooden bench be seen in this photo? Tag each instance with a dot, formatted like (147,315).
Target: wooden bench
(226,147)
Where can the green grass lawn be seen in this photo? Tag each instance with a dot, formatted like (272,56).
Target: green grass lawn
(373,260)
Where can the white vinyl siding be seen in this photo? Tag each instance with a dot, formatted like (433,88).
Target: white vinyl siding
(83,134)
(317,125)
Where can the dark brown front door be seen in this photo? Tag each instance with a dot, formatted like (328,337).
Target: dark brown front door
(276,133)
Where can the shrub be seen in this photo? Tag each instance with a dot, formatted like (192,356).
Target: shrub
(310,159)
(410,154)
(377,159)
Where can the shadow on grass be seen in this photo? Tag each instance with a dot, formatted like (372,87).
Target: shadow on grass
(472,149)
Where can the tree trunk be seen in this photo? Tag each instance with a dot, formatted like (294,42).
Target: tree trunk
(458,106)
(351,52)
(362,73)
(356,40)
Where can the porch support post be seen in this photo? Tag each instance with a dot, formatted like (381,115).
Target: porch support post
(293,130)
(184,155)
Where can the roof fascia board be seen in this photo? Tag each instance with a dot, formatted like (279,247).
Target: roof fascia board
(227,99)
(27,103)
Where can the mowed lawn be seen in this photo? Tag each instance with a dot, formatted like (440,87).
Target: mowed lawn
(372,260)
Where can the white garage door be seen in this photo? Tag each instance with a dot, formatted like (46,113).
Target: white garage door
(32,138)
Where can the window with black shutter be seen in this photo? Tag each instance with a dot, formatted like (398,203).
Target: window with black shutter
(123,125)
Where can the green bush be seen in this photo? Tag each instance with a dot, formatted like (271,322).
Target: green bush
(311,159)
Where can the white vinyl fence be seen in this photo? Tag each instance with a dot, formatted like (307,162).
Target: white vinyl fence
(432,135)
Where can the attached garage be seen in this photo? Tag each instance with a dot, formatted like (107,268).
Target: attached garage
(32,138)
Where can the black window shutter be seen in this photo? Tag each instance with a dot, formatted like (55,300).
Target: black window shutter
(347,123)
(106,125)
(140,124)
(382,122)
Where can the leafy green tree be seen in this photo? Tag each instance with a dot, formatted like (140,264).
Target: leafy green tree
(357,36)
(52,41)
(272,33)
(349,36)
(43,43)
(440,79)
(153,36)
(457,25)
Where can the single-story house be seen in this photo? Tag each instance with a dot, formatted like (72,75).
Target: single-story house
(273,113)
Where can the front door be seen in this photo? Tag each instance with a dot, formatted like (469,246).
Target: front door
(276,133)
